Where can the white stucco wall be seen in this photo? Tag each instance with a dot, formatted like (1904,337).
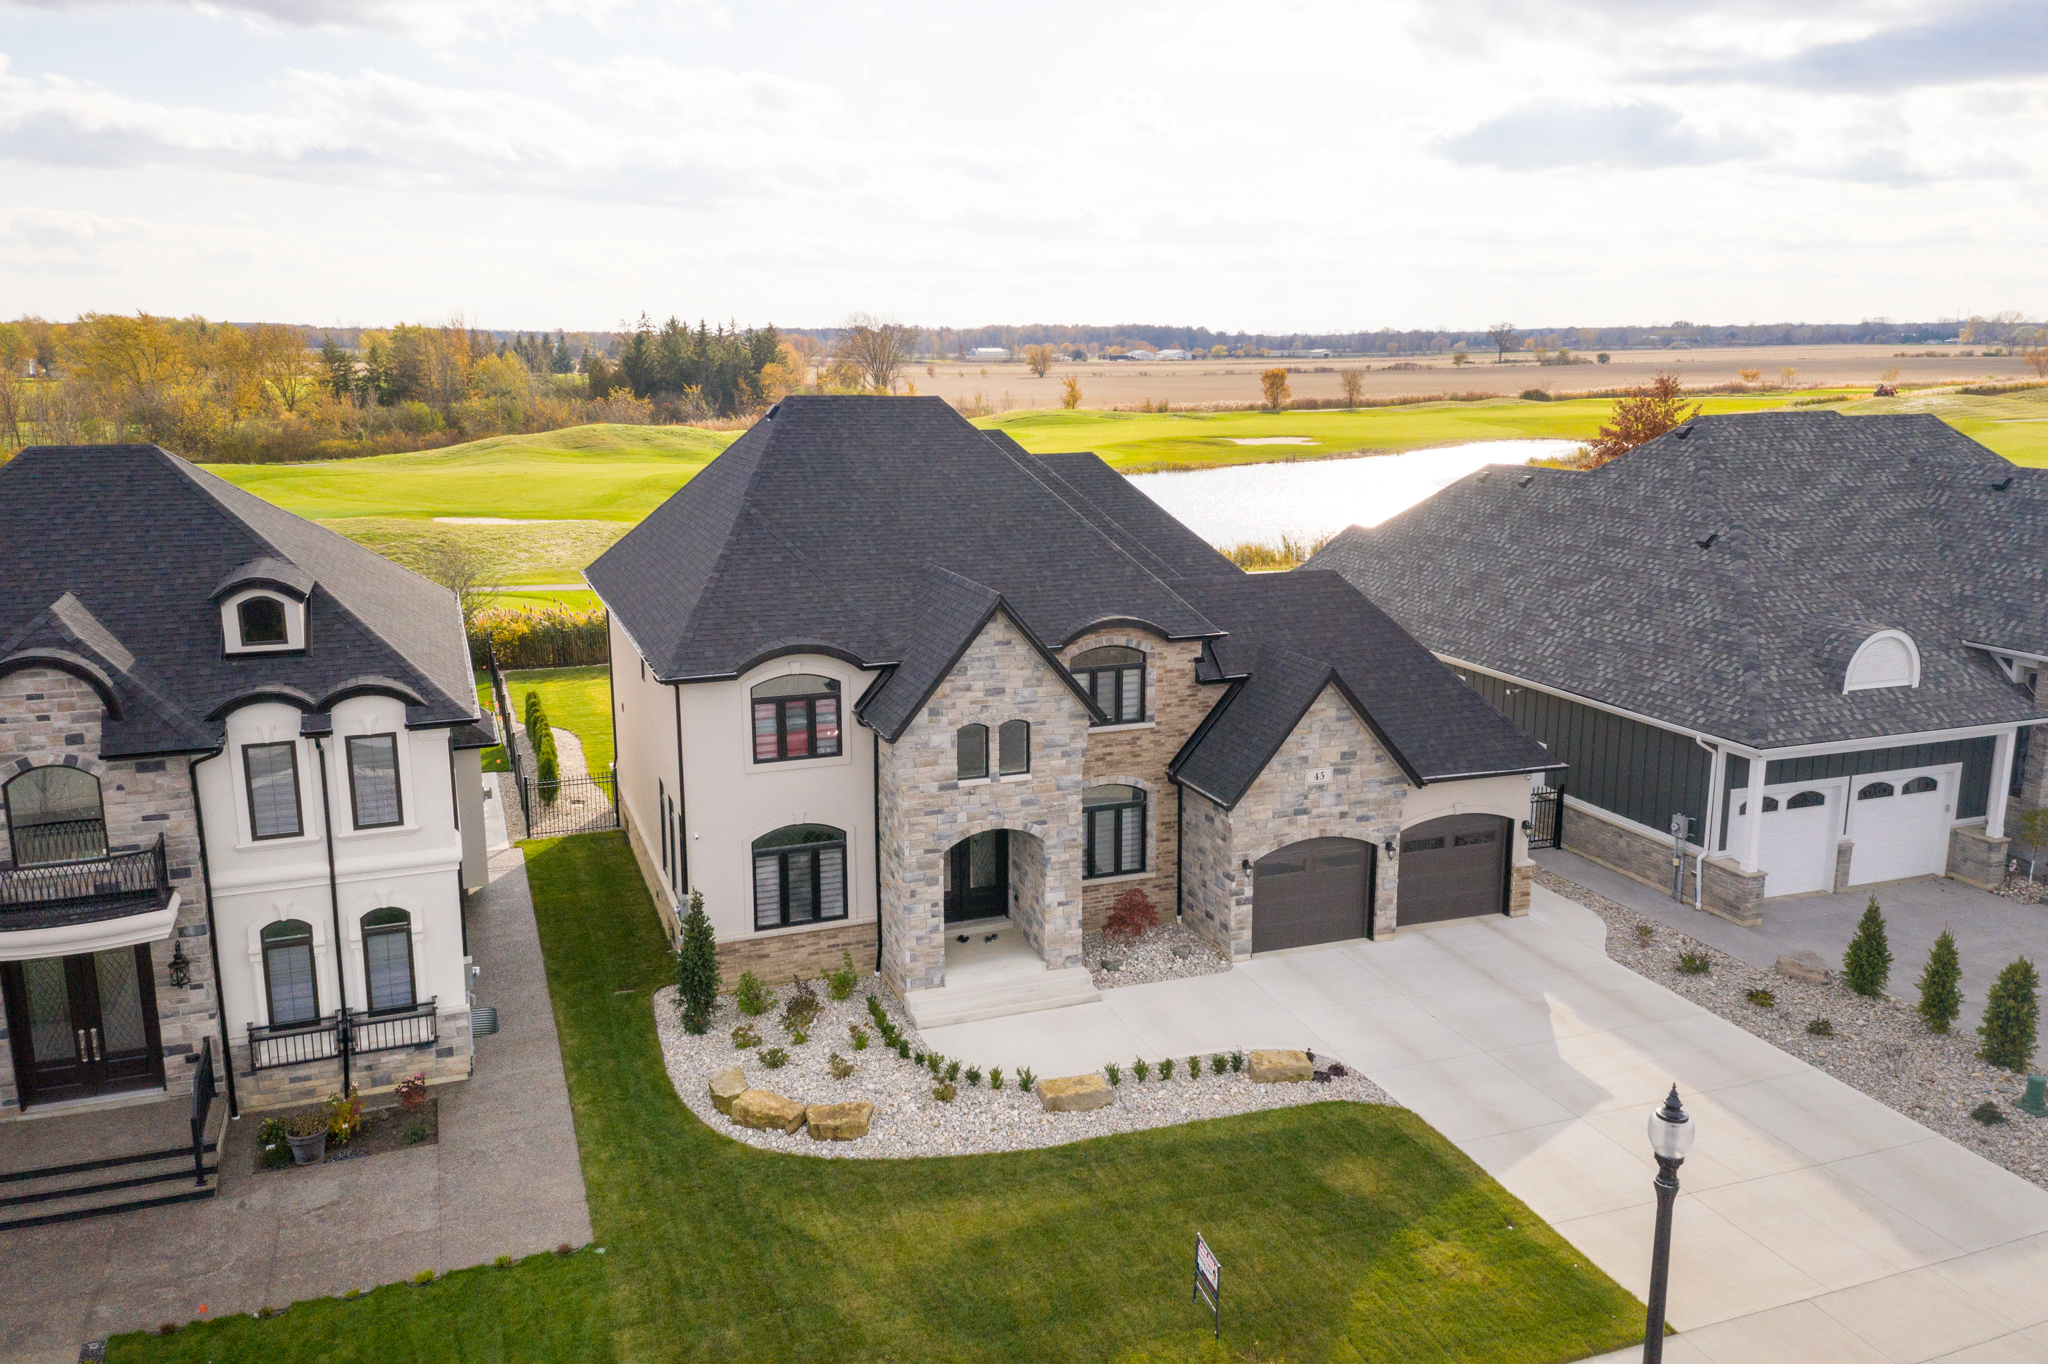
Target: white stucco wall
(1506,796)
(644,725)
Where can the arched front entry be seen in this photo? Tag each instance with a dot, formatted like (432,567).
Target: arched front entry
(978,877)
(1315,891)
(1454,868)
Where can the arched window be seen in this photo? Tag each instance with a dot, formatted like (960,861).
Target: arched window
(288,973)
(387,959)
(1888,658)
(1114,821)
(54,815)
(970,751)
(1013,748)
(1919,786)
(799,876)
(1877,790)
(1770,804)
(796,716)
(1114,677)
(262,622)
(1806,800)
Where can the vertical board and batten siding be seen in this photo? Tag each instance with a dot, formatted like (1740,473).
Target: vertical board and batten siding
(1974,755)
(1623,766)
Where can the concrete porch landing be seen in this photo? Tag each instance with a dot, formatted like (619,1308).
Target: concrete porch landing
(994,974)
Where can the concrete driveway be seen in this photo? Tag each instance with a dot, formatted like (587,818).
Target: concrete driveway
(1814,1223)
(1990,930)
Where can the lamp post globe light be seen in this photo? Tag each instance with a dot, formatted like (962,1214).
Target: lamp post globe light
(1671,1134)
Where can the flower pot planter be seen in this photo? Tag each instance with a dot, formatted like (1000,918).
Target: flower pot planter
(309,1150)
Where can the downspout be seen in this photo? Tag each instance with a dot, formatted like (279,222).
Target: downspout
(875,748)
(220,1004)
(1180,851)
(1709,825)
(334,903)
(680,872)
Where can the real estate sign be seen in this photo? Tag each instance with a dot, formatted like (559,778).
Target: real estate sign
(1209,1282)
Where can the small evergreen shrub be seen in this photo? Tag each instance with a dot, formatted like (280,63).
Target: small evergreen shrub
(973,1076)
(775,1058)
(744,1036)
(1941,995)
(944,1093)
(1194,1067)
(952,1071)
(1763,999)
(1820,1027)
(1867,965)
(859,1035)
(1236,1062)
(1140,1071)
(801,1010)
(1694,964)
(839,1066)
(1988,1113)
(797,1037)
(903,1048)
(995,1077)
(839,983)
(2012,1013)
(1218,1063)
(1644,932)
(423,1278)
(751,997)
(1025,1079)
(1113,1073)
(697,968)
(1166,1069)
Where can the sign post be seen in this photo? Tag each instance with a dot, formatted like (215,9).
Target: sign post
(1209,1282)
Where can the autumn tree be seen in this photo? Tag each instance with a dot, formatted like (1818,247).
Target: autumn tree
(282,359)
(16,350)
(876,350)
(1787,374)
(1038,359)
(1353,384)
(1643,415)
(1274,382)
(1070,391)
(2037,356)
(1749,376)
(1503,335)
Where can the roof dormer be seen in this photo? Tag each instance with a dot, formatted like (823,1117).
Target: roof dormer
(263,607)
(1887,658)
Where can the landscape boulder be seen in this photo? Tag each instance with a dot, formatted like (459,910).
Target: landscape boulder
(838,1122)
(1074,1093)
(1806,966)
(1279,1067)
(727,1085)
(763,1109)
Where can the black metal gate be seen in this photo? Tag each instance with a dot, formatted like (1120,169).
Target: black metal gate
(1546,818)
(572,805)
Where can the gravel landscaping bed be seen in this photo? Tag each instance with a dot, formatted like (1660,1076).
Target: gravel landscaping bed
(908,1121)
(1878,1046)
(1172,951)
(2026,892)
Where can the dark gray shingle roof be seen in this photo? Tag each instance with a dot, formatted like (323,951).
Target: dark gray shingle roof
(1717,577)
(113,555)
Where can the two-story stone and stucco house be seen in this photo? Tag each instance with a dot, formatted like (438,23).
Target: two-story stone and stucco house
(239,772)
(886,684)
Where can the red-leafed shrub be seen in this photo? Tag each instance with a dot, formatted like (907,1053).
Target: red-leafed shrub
(1130,916)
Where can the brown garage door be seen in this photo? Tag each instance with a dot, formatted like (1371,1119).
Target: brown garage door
(1453,868)
(1310,892)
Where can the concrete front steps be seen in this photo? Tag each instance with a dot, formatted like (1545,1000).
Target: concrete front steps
(93,1188)
(993,974)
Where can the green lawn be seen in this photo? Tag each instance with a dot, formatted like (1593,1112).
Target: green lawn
(577,699)
(1347,1232)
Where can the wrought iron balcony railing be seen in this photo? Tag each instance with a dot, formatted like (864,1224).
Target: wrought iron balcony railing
(110,886)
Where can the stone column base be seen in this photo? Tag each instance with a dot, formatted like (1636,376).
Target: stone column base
(1731,893)
(1519,882)
(1845,852)
(1975,859)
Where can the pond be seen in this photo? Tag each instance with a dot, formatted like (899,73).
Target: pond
(1311,498)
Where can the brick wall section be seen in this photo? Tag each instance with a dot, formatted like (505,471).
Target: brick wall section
(783,957)
(49,717)
(1519,881)
(1362,800)
(1175,704)
(925,809)
(1732,893)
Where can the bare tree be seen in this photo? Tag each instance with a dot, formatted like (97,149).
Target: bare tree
(877,350)
(1038,359)
(2038,358)
(1503,335)
(1353,384)
(466,571)
(281,358)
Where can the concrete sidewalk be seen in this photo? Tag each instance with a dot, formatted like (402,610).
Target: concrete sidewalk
(1814,1223)
(504,1179)
(1990,930)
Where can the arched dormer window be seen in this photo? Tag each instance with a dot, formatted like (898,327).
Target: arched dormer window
(970,751)
(260,621)
(1114,678)
(795,716)
(1888,658)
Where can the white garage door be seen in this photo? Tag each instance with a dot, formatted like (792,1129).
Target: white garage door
(1900,823)
(1797,849)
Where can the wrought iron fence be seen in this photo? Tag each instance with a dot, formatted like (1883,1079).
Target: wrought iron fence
(61,840)
(1546,818)
(133,877)
(416,1027)
(349,1031)
(204,1088)
(572,805)
(294,1044)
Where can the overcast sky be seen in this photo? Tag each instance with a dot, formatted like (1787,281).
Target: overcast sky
(1289,166)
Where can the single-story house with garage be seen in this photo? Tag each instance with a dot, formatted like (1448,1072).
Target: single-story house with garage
(887,685)
(1795,651)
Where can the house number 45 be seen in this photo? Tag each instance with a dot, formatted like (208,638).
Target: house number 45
(1318,775)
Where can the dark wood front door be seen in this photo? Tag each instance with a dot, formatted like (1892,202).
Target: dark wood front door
(83,1025)
(978,877)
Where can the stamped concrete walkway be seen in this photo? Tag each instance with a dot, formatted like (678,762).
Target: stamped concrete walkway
(1815,1224)
(504,1179)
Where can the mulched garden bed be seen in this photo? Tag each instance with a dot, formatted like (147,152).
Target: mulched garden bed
(390,1128)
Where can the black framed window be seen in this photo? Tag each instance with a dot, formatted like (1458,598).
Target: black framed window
(1114,677)
(1114,822)
(373,781)
(799,876)
(1919,786)
(288,973)
(54,815)
(1013,747)
(272,774)
(262,622)
(387,959)
(796,717)
(970,751)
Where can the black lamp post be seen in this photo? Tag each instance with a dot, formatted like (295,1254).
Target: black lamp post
(1671,1134)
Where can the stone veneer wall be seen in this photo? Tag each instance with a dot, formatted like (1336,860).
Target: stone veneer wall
(379,1072)
(1362,800)
(1174,704)
(1975,859)
(49,717)
(1635,855)
(926,809)
(805,954)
